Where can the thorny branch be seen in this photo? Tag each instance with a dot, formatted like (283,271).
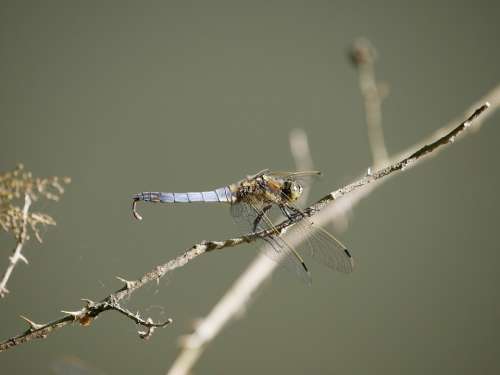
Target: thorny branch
(84,316)
(87,313)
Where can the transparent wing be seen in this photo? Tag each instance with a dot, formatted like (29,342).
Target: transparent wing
(317,242)
(322,246)
(242,212)
(276,248)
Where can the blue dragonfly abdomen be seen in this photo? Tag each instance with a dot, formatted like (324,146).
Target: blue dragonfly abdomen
(220,195)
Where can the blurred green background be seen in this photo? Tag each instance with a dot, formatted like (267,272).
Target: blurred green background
(182,95)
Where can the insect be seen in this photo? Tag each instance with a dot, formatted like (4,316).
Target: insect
(252,199)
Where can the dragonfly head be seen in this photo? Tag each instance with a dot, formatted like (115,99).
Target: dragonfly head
(292,189)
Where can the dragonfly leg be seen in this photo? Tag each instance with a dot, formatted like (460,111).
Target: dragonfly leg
(259,217)
(291,212)
(285,212)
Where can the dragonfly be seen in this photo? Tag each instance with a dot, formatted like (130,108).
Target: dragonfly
(253,199)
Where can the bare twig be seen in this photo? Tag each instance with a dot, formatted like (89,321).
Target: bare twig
(240,294)
(363,56)
(17,254)
(236,299)
(89,312)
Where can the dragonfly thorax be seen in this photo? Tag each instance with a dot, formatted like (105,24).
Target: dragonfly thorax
(268,190)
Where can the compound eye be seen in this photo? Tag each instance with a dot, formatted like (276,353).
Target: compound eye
(296,190)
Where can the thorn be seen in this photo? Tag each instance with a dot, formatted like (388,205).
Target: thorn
(23,258)
(89,302)
(33,326)
(128,283)
(75,314)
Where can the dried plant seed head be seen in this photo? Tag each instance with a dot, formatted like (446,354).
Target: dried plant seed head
(18,185)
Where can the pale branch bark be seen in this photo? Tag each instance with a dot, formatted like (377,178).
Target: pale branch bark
(87,313)
(17,253)
(242,291)
(363,56)
(232,304)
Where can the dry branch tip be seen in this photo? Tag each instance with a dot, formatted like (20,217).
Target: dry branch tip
(33,326)
(128,284)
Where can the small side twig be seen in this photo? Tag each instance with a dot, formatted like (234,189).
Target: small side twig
(85,316)
(363,56)
(17,254)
